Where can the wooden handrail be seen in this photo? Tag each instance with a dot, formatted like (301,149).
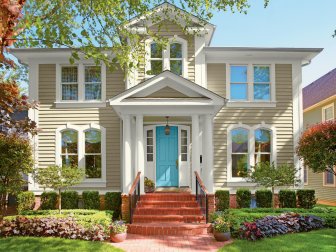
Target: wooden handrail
(135,182)
(201,182)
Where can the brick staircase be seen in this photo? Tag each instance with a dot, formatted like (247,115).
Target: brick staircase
(168,214)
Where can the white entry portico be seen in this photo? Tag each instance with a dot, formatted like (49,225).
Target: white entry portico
(185,99)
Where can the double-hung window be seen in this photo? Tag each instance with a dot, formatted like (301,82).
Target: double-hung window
(175,59)
(156,59)
(262,141)
(69,83)
(93,156)
(93,84)
(328,112)
(238,83)
(240,152)
(261,83)
(329,178)
(69,148)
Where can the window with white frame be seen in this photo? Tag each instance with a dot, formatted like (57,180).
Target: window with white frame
(328,112)
(262,142)
(69,149)
(93,84)
(156,59)
(69,83)
(238,83)
(240,152)
(175,58)
(93,156)
(261,83)
(329,178)
(305,175)
(184,145)
(150,146)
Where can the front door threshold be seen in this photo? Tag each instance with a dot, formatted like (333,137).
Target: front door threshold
(169,189)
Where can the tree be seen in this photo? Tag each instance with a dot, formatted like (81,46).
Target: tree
(59,178)
(269,176)
(98,29)
(317,147)
(15,160)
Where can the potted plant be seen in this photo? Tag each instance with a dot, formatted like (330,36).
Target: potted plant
(149,185)
(221,229)
(118,231)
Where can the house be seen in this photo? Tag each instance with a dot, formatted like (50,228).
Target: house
(319,105)
(189,108)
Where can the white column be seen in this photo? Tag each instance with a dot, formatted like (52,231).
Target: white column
(195,163)
(208,154)
(127,154)
(140,164)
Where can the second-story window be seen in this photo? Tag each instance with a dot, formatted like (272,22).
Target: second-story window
(328,112)
(156,59)
(93,83)
(69,82)
(261,83)
(238,83)
(175,59)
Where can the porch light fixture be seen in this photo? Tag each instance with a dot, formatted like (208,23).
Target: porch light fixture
(167,128)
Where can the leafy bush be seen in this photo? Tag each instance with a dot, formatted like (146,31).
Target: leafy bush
(69,199)
(306,198)
(263,198)
(270,226)
(48,200)
(113,203)
(26,201)
(243,198)
(118,227)
(51,226)
(91,200)
(222,200)
(287,198)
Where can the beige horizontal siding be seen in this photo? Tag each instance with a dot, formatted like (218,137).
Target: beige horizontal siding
(281,117)
(51,118)
(167,92)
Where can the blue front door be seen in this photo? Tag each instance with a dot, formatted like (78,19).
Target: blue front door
(166,157)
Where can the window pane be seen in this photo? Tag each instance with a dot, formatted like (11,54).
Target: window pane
(262,140)
(184,157)
(156,51)
(184,141)
(93,91)
(69,92)
(239,140)
(238,91)
(69,74)
(93,166)
(184,149)
(149,133)
(261,74)
(149,149)
(329,177)
(149,141)
(262,158)
(262,92)
(70,160)
(92,74)
(156,67)
(175,50)
(149,157)
(238,74)
(69,141)
(92,141)
(328,113)
(239,165)
(184,133)
(176,66)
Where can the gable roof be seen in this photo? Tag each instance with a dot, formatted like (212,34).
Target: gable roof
(319,90)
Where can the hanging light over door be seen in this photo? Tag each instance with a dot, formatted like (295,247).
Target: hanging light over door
(167,128)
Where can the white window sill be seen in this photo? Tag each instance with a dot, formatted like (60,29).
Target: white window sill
(92,183)
(251,104)
(80,104)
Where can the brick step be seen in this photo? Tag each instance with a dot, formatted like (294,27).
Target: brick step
(168,197)
(168,211)
(137,218)
(173,204)
(168,229)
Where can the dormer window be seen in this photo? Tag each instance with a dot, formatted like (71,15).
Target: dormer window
(156,59)
(176,59)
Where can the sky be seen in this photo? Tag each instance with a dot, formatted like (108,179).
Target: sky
(284,23)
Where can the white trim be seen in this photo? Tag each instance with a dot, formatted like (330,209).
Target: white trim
(329,99)
(184,166)
(248,104)
(74,104)
(324,184)
(324,108)
(195,161)
(200,65)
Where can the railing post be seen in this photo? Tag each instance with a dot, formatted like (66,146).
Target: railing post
(196,188)
(130,207)
(206,208)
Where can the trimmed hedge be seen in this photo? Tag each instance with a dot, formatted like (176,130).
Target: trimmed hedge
(263,198)
(306,198)
(25,201)
(287,198)
(70,200)
(243,198)
(113,203)
(222,200)
(48,200)
(91,200)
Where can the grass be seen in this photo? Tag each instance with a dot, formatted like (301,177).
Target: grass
(321,240)
(48,244)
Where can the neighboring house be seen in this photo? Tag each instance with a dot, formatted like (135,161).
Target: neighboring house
(319,104)
(226,108)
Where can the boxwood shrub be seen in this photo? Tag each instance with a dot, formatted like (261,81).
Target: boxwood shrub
(25,201)
(113,203)
(91,200)
(243,198)
(48,200)
(306,198)
(222,200)
(287,198)
(263,198)
(70,200)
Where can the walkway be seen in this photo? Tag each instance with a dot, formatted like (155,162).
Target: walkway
(139,243)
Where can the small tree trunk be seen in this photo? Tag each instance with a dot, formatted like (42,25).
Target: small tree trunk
(59,201)
(2,203)
(273,200)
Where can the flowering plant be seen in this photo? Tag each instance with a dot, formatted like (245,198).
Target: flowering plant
(118,227)
(220,225)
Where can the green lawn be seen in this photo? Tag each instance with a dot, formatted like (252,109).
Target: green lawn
(321,240)
(48,244)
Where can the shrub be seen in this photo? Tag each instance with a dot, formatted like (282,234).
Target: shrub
(222,200)
(69,199)
(306,198)
(263,198)
(51,226)
(113,203)
(277,225)
(243,198)
(287,198)
(48,200)
(118,227)
(26,201)
(91,200)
